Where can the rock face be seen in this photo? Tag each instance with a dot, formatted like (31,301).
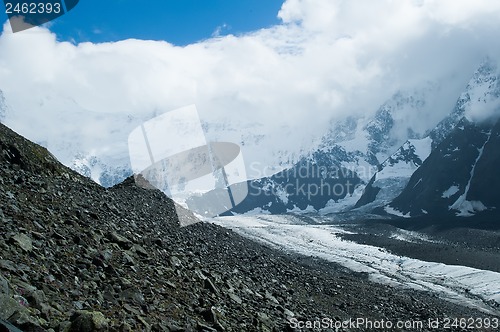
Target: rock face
(459,177)
(77,257)
(310,184)
(333,176)
(358,146)
(394,173)
(455,143)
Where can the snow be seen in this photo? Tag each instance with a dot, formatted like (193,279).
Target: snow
(309,209)
(343,204)
(398,170)
(363,169)
(396,212)
(423,147)
(282,194)
(460,284)
(359,143)
(257,211)
(483,94)
(405,169)
(450,192)
(469,208)
(295,209)
(410,236)
(393,178)
(298,211)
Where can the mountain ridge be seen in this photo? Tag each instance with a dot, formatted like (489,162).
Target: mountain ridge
(392,174)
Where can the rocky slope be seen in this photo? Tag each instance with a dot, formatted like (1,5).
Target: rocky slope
(75,256)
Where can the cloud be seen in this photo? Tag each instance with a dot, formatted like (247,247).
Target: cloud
(276,88)
(219,30)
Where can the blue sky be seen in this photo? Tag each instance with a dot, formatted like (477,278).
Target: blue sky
(179,22)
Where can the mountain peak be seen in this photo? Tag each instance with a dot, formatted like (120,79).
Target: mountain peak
(481,99)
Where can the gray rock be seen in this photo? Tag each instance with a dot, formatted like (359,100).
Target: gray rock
(133,295)
(210,286)
(88,321)
(122,241)
(25,321)
(271,298)
(127,257)
(175,261)
(235,298)
(9,306)
(23,241)
(4,286)
(140,250)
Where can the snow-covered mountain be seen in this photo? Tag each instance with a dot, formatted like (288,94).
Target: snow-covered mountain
(479,100)
(107,171)
(106,164)
(375,138)
(332,177)
(459,177)
(379,155)
(309,185)
(87,147)
(362,162)
(394,173)
(457,145)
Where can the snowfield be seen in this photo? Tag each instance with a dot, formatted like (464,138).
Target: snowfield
(460,284)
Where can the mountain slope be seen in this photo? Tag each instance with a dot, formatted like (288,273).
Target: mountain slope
(482,94)
(486,172)
(332,177)
(308,185)
(464,155)
(442,185)
(394,173)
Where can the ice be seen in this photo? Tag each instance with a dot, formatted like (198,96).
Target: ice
(460,284)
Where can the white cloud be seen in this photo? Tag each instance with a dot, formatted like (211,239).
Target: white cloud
(463,12)
(281,86)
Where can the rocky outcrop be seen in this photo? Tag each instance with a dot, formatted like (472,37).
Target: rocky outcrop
(459,177)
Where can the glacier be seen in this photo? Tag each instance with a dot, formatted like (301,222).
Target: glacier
(464,285)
